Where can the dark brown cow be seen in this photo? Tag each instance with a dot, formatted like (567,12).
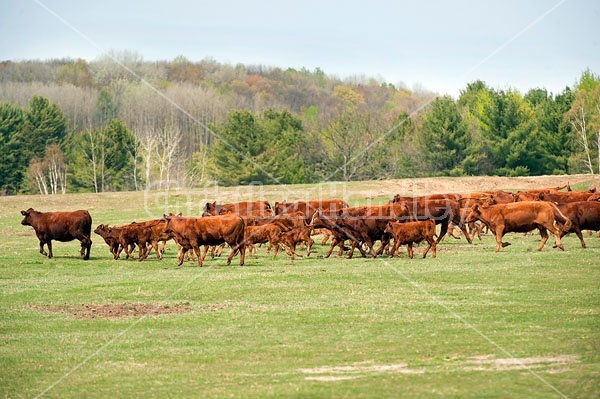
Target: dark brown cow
(584,215)
(409,233)
(342,228)
(60,226)
(192,233)
(522,217)
(374,222)
(246,208)
(310,207)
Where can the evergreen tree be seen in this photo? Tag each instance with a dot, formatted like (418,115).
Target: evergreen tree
(12,159)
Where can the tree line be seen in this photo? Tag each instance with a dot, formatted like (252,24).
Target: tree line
(74,126)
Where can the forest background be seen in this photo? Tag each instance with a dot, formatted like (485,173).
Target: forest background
(122,123)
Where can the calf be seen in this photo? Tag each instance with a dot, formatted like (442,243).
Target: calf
(300,234)
(409,233)
(262,234)
(60,226)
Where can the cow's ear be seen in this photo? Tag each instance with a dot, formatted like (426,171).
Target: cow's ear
(476,208)
(24,213)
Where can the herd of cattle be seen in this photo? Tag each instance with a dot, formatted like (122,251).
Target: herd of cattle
(404,220)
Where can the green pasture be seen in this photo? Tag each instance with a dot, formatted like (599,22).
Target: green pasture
(469,324)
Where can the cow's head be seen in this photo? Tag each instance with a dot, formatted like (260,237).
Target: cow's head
(167,219)
(29,214)
(101,230)
(474,214)
(388,228)
(210,209)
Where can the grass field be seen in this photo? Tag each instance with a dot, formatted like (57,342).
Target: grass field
(469,324)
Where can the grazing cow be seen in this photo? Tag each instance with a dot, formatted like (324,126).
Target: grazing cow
(60,226)
(584,215)
(522,217)
(246,208)
(190,232)
(409,233)
(310,207)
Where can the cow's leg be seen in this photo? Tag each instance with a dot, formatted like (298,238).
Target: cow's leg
(579,235)
(197,250)
(428,248)
(443,230)
(433,247)
(499,233)
(409,248)
(394,248)
(309,243)
(42,243)
(242,254)
(556,232)
(544,234)
(463,228)
(334,242)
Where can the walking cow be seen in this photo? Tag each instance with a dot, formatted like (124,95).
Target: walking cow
(60,226)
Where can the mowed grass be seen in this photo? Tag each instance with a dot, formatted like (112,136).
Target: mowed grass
(469,324)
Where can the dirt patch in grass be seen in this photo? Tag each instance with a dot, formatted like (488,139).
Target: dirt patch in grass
(489,363)
(120,310)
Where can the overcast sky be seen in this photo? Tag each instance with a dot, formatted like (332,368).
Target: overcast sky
(434,44)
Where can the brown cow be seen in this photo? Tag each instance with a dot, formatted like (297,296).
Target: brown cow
(374,222)
(584,215)
(563,198)
(300,234)
(310,207)
(60,226)
(104,231)
(409,233)
(246,208)
(190,232)
(262,234)
(521,217)
(443,211)
(342,228)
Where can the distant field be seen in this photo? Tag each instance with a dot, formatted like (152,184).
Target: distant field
(469,324)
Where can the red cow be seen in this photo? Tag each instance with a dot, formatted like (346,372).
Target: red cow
(584,215)
(409,233)
(310,207)
(522,217)
(253,208)
(60,226)
(191,233)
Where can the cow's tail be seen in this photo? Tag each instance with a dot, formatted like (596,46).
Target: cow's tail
(560,217)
